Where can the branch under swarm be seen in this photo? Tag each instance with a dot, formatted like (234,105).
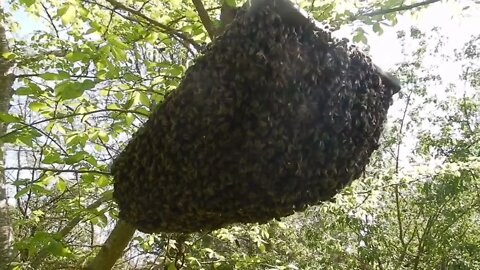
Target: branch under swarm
(113,248)
(205,18)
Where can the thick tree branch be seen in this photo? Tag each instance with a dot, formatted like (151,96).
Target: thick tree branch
(205,18)
(227,14)
(113,247)
(392,10)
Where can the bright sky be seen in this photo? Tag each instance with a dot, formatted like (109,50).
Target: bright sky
(459,26)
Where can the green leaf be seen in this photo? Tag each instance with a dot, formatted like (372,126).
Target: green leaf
(37,106)
(75,158)
(262,248)
(103,136)
(100,220)
(171,266)
(8,118)
(70,90)
(131,77)
(360,36)
(102,181)
(22,192)
(176,70)
(108,195)
(26,138)
(175,3)
(61,185)
(190,13)
(129,117)
(63,75)
(377,28)
(232,3)
(57,249)
(27,2)
(116,42)
(24,91)
(119,54)
(52,157)
(49,76)
(67,14)
(75,56)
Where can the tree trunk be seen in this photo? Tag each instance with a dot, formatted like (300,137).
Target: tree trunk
(6,82)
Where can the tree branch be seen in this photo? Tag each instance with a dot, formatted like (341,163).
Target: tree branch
(205,18)
(166,28)
(113,247)
(395,9)
(67,116)
(55,170)
(227,14)
(67,229)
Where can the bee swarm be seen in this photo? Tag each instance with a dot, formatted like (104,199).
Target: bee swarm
(275,116)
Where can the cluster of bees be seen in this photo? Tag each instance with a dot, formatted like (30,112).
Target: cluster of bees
(273,117)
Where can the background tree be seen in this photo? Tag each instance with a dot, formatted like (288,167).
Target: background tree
(6,92)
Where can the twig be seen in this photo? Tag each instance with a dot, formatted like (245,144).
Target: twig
(56,170)
(66,230)
(392,10)
(51,20)
(70,115)
(166,28)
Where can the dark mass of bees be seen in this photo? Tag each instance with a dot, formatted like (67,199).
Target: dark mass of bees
(273,117)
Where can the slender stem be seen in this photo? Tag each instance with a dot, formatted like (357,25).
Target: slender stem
(55,170)
(66,230)
(166,28)
(392,10)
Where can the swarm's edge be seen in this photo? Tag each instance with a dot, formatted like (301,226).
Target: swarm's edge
(294,15)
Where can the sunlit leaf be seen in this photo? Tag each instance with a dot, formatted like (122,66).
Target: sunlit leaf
(8,118)
(61,185)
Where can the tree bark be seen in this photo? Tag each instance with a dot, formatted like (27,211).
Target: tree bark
(6,92)
(113,248)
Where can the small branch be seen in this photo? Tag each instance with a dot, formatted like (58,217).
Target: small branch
(55,170)
(66,230)
(400,132)
(39,56)
(205,18)
(50,19)
(28,75)
(392,10)
(166,28)
(70,115)
(399,220)
(113,247)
